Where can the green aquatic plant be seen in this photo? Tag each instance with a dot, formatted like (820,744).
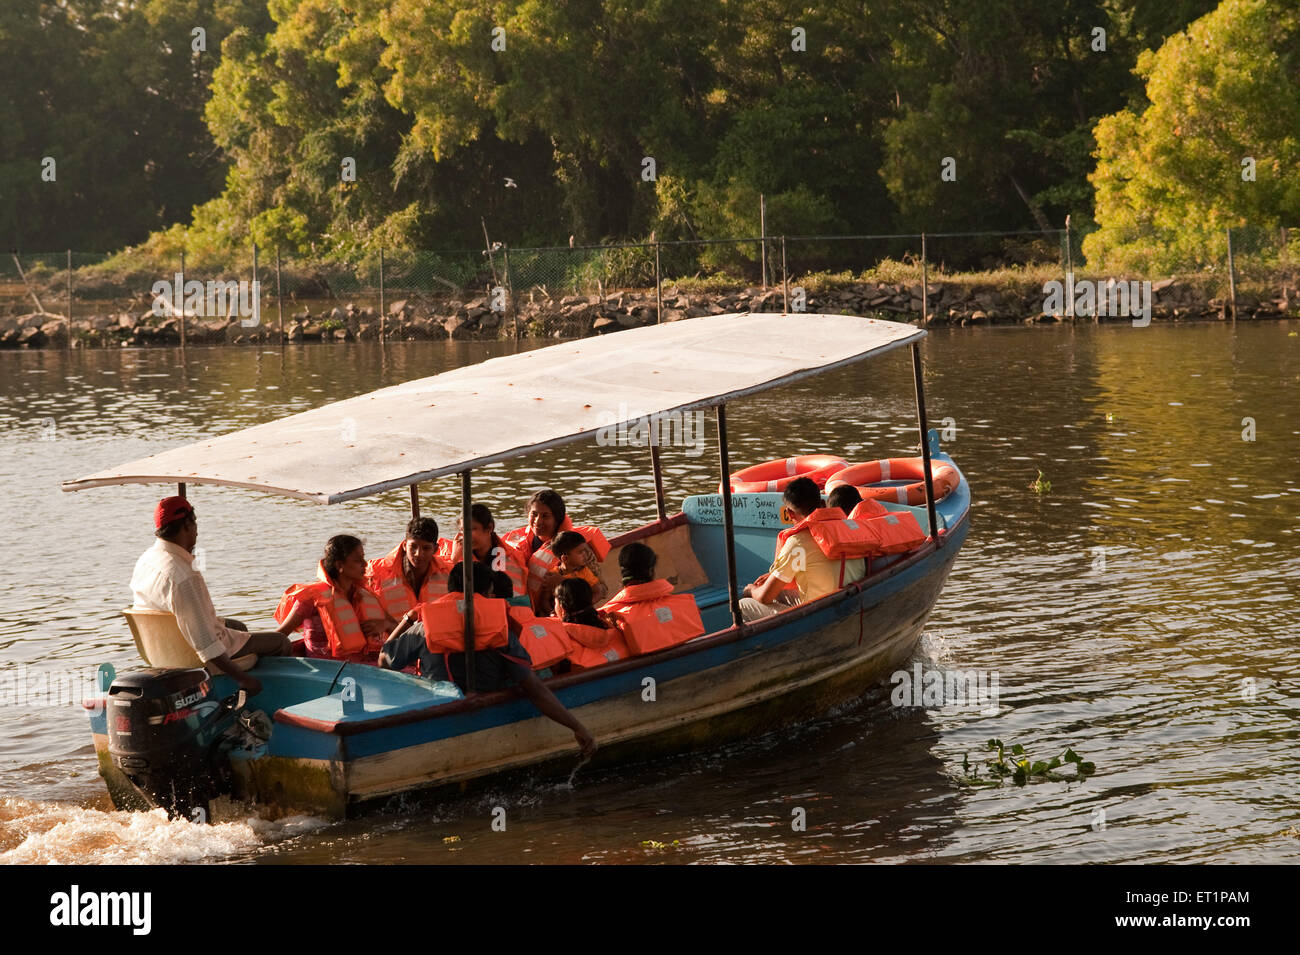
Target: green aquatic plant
(1041,485)
(654,844)
(1012,762)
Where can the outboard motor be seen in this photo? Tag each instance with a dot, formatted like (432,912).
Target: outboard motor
(163,730)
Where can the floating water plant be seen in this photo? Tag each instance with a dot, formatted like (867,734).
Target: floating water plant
(1041,485)
(652,844)
(1013,762)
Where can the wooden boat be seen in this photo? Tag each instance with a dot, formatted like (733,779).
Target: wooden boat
(346,735)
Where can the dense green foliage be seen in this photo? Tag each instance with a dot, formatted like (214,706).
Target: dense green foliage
(1170,177)
(546,138)
(112,92)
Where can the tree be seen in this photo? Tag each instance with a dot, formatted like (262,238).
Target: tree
(1169,176)
(113,93)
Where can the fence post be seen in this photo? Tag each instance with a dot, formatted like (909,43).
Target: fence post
(382,310)
(1232,276)
(762,231)
(925,285)
(510,289)
(69,322)
(279,296)
(257,292)
(182,298)
(785,282)
(1069,271)
(659,298)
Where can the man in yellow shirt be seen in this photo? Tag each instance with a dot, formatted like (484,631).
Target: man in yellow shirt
(799,561)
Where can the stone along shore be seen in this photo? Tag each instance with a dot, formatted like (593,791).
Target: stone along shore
(574,316)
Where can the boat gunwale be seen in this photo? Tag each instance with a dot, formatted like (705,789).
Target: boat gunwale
(731,634)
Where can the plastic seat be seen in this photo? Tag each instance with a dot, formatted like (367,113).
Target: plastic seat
(161,644)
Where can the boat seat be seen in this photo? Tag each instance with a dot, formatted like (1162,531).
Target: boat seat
(709,596)
(161,644)
(676,561)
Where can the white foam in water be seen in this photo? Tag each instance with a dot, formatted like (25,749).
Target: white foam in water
(58,833)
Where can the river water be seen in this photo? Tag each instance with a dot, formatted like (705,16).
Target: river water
(1143,611)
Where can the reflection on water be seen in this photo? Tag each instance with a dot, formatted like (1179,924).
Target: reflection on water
(1140,612)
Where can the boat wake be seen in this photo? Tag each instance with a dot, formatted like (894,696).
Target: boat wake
(34,832)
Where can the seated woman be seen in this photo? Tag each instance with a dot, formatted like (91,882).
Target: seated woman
(428,634)
(594,640)
(548,517)
(652,615)
(340,618)
(575,558)
(490,551)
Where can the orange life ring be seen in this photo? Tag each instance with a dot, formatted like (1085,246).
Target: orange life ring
(861,476)
(776,475)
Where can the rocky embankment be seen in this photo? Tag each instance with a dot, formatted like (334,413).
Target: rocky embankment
(950,303)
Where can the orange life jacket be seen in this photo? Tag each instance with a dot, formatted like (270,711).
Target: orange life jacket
(835,535)
(338,614)
(654,616)
(542,562)
(895,532)
(867,509)
(505,557)
(544,638)
(444,623)
(595,646)
(386,577)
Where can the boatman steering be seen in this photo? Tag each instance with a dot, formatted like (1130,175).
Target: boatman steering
(165,580)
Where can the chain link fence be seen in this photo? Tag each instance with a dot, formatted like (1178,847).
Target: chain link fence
(967,276)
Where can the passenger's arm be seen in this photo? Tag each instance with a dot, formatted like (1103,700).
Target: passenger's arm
(294,620)
(401,626)
(552,708)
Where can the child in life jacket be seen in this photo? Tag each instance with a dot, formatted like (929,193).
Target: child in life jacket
(576,559)
(594,637)
(493,669)
(651,615)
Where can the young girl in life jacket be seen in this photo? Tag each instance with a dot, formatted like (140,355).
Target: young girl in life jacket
(595,638)
(341,572)
(490,551)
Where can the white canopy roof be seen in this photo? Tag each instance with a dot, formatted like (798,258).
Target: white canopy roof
(506,407)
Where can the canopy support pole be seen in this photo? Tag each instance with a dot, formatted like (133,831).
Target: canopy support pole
(660,507)
(925,439)
(468,564)
(180,490)
(733,594)
(415,500)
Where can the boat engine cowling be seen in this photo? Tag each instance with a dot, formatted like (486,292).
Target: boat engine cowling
(163,730)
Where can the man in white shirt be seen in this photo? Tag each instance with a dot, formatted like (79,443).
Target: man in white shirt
(165,579)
